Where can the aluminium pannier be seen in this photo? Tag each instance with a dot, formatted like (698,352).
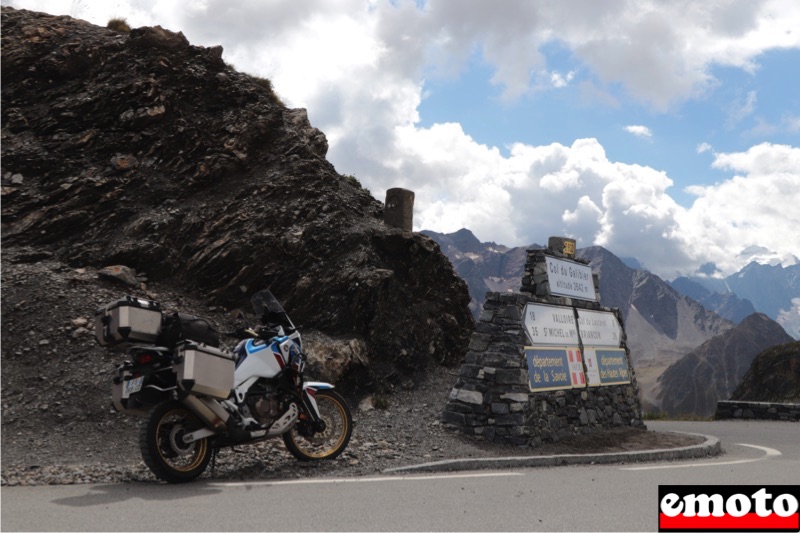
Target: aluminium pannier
(202,369)
(128,320)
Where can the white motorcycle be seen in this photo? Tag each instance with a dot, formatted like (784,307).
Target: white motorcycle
(197,399)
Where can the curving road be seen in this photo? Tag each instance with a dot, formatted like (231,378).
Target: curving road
(620,497)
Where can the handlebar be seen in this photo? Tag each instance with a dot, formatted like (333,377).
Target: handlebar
(262,332)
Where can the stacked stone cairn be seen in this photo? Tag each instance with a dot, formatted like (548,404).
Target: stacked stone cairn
(492,397)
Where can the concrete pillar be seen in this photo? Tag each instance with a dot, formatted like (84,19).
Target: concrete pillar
(399,210)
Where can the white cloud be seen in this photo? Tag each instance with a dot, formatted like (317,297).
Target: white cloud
(742,108)
(559,80)
(752,208)
(704,147)
(639,131)
(792,123)
(790,319)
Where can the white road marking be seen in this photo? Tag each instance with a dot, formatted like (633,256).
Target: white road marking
(769,452)
(317,481)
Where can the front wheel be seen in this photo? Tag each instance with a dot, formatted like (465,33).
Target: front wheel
(307,444)
(162,446)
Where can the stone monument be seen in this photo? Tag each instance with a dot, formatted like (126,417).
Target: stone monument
(548,362)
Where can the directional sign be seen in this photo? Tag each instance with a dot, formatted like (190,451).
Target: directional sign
(599,328)
(550,324)
(570,278)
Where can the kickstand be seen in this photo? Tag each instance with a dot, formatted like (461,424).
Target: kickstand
(214,452)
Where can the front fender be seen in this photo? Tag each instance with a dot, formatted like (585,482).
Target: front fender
(317,385)
(310,388)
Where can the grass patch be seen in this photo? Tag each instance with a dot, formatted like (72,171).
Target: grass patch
(119,25)
(267,84)
(381,403)
(352,180)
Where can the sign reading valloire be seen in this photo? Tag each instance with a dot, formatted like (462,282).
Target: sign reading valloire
(569,278)
(552,324)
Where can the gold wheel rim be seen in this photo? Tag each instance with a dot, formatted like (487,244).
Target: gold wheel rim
(317,446)
(169,428)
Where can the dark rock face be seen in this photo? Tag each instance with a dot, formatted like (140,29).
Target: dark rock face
(774,376)
(486,267)
(695,383)
(143,150)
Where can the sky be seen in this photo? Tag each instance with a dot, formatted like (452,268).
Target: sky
(666,131)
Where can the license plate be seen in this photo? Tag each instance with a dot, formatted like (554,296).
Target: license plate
(132,386)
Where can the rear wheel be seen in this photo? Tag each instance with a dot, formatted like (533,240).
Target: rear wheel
(162,446)
(313,444)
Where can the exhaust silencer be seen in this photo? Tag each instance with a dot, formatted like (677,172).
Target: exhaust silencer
(208,410)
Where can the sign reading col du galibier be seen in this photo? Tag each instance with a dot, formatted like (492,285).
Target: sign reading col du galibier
(571,279)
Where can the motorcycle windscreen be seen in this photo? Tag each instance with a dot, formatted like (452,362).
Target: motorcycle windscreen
(269,310)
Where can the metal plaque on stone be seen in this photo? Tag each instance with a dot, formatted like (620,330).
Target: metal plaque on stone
(550,324)
(570,279)
(606,366)
(554,368)
(599,328)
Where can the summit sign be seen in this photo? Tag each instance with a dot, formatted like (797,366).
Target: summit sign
(570,279)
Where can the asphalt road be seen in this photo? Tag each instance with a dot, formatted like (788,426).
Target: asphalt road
(618,497)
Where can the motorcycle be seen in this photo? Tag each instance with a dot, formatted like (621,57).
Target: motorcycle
(197,399)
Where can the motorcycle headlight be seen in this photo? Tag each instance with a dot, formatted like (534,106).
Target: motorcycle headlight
(297,359)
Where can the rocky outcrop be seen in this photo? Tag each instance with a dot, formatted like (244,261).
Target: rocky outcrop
(142,150)
(695,383)
(774,376)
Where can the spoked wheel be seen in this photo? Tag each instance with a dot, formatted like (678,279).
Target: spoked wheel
(162,446)
(328,441)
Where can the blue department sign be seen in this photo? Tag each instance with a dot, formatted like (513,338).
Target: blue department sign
(606,366)
(571,279)
(554,367)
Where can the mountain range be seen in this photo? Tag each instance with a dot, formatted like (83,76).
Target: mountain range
(774,376)
(664,325)
(713,371)
(770,289)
